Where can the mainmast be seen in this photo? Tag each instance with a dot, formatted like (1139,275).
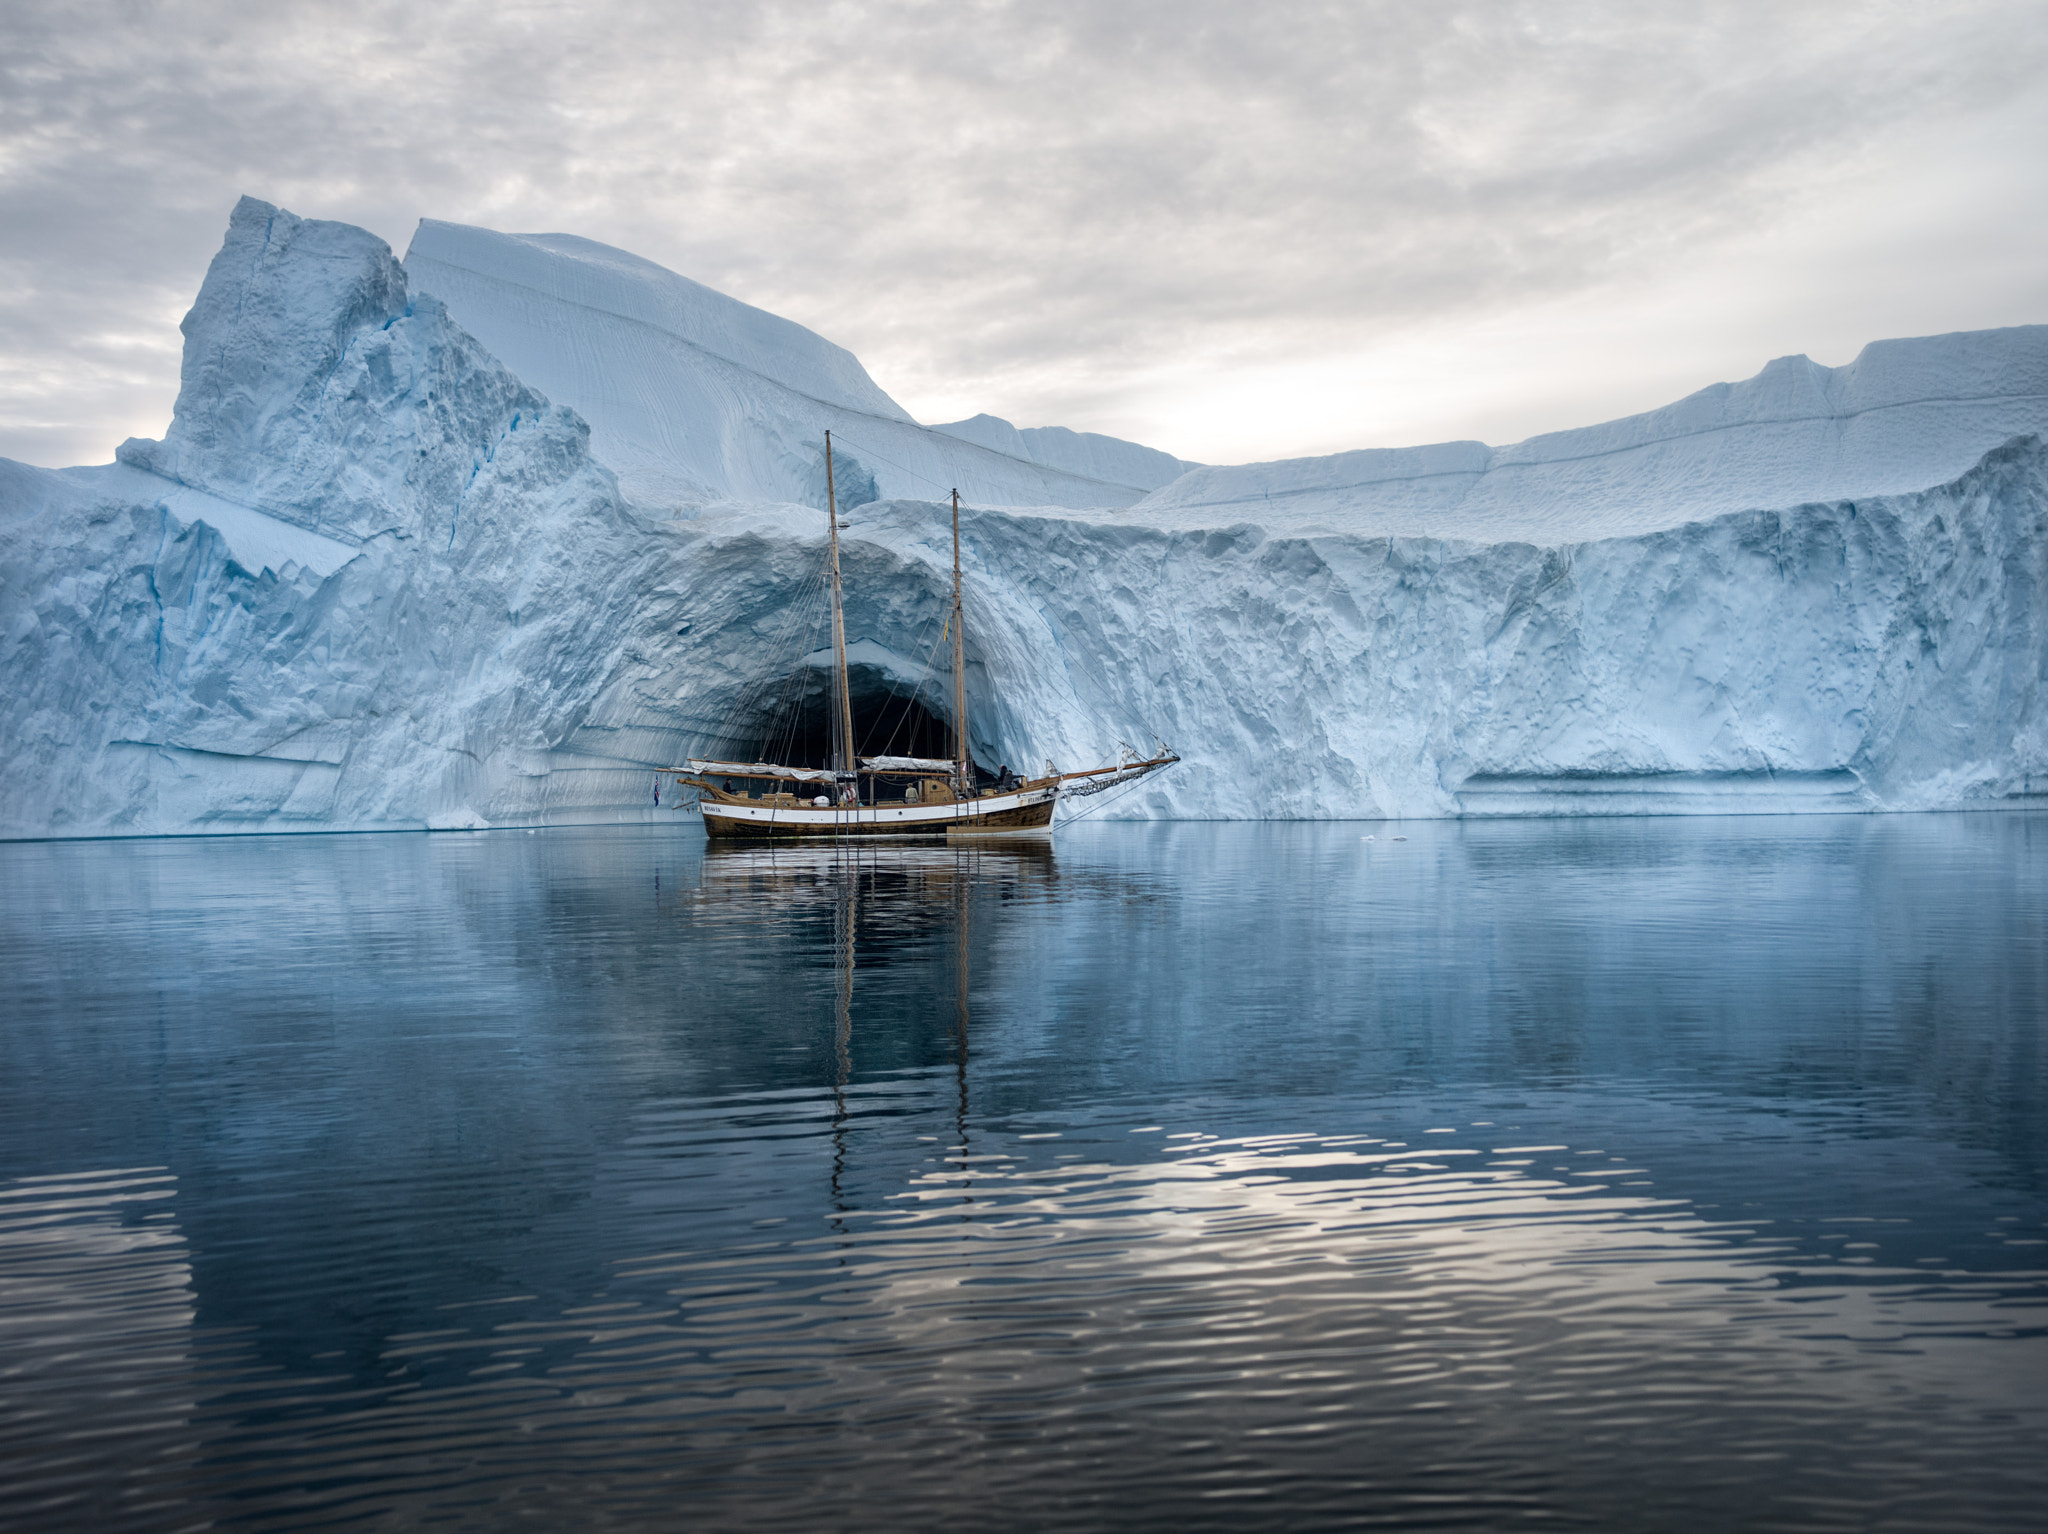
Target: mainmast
(842,705)
(959,667)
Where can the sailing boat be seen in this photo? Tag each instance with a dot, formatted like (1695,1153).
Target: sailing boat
(891,796)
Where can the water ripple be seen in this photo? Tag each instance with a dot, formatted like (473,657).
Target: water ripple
(528,1179)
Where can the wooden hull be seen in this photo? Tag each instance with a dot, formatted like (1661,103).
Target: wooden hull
(1027,812)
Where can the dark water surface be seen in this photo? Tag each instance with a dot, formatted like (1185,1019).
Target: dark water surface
(1615,1175)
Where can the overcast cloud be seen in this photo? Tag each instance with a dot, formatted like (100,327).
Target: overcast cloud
(1232,231)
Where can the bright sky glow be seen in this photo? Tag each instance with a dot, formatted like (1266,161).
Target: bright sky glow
(1232,232)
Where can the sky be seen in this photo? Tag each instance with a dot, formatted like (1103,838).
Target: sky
(1232,231)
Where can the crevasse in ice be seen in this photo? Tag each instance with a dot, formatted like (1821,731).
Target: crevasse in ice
(380,573)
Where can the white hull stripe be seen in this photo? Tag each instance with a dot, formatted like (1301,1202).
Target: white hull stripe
(907,817)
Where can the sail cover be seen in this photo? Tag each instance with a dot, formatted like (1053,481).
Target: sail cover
(905,764)
(761,770)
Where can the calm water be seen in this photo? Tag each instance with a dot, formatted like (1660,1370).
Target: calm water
(1627,1175)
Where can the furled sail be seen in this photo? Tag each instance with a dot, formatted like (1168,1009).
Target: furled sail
(765,770)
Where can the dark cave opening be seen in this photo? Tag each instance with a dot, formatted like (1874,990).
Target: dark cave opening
(794,727)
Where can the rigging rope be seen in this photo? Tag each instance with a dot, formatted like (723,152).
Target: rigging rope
(926,478)
(1113,796)
(801,614)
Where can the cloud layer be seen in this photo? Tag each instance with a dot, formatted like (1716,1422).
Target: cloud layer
(1231,231)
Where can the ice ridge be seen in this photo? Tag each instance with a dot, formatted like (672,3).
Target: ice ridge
(1079,452)
(1904,415)
(695,398)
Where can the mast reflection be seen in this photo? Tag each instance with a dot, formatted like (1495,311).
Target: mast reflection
(886,905)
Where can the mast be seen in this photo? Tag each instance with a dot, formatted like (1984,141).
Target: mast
(959,667)
(842,704)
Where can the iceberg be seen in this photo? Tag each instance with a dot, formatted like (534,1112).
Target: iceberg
(492,536)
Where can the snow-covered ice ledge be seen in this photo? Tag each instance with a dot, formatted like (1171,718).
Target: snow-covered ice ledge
(372,579)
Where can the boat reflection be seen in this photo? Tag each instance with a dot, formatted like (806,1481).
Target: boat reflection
(889,880)
(883,901)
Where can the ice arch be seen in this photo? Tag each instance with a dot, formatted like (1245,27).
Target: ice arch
(898,710)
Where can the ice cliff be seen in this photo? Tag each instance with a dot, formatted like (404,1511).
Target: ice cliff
(379,574)
(339,592)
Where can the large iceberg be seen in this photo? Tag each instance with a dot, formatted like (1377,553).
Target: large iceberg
(492,536)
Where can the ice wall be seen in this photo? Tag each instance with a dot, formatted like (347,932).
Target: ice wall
(373,578)
(695,398)
(1884,653)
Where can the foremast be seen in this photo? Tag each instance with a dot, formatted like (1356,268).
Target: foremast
(845,768)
